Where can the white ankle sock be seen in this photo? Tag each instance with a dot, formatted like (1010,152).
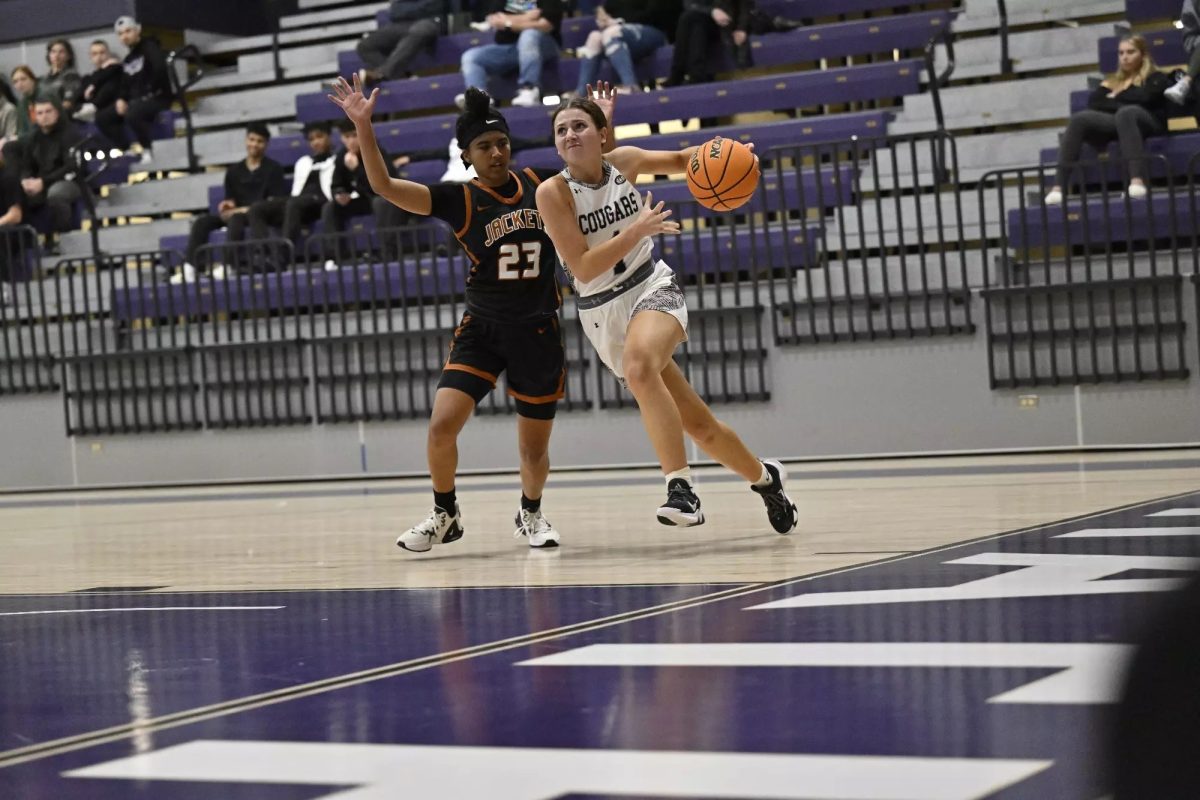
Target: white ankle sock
(685,473)
(765,480)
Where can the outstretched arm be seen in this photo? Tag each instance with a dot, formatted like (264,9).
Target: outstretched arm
(408,195)
(634,161)
(557,208)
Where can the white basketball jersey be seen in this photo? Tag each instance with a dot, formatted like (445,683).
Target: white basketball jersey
(603,210)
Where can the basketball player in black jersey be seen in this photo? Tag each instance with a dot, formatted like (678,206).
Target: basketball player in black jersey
(511,323)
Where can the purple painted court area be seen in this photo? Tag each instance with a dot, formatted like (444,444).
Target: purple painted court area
(1005,652)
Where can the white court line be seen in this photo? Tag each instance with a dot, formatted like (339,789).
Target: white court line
(1116,533)
(1177,512)
(151,608)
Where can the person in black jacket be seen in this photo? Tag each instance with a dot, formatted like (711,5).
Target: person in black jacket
(701,26)
(1128,106)
(102,87)
(246,182)
(352,192)
(415,26)
(145,89)
(626,31)
(49,164)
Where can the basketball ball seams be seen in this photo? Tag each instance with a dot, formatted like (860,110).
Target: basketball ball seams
(726,193)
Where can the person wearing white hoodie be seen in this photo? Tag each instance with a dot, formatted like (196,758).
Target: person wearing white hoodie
(312,187)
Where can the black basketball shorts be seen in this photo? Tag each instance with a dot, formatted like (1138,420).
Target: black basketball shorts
(531,355)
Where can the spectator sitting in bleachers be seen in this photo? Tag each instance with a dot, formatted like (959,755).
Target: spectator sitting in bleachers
(63,78)
(1128,106)
(10,217)
(352,192)
(246,183)
(25,84)
(528,34)
(626,31)
(145,90)
(102,87)
(702,26)
(8,113)
(49,164)
(312,187)
(415,26)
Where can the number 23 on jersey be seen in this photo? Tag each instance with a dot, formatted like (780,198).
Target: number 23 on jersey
(519,262)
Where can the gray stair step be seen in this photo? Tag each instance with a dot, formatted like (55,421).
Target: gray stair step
(982,14)
(188,193)
(123,238)
(366,11)
(990,104)
(247,44)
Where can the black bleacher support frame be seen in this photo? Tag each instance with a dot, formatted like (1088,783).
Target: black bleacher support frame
(936,81)
(1080,292)
(840,295)
(26,360)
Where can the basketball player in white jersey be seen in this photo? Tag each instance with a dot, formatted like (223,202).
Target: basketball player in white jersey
(631,307)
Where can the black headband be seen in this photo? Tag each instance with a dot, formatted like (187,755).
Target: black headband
(470,126)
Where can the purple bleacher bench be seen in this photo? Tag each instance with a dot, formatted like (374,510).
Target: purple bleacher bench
(1150,10)
(292,290)
(1079,102)
(1124,221)
(1177,151)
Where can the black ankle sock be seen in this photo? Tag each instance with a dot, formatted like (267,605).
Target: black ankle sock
(445,500)
(530,505)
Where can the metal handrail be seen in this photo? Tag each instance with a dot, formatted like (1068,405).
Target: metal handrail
(936,81)
(191,55)
(1006,64)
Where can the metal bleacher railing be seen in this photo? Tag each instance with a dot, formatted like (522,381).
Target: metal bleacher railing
(1091,290)
(853,235)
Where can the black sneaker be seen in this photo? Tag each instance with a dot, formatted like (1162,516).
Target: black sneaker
(781,511)
(682,507)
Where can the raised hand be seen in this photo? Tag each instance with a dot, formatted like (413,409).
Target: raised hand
(652,219)
(604,96)
(350,99)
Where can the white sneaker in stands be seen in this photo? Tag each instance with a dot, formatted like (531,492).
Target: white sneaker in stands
(1137,191)
(527,97)
(1054,198)
(1177,94)
(186,274)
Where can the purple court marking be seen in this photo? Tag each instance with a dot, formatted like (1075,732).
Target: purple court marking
(1007,709)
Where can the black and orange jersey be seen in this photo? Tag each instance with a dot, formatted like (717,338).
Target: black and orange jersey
(512,274)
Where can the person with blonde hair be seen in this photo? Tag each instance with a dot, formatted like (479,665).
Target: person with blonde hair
(1127,107)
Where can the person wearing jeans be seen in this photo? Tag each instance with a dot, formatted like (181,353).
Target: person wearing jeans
(1128,106)
(698,34)
(414,26)
(626,32)
(528,34)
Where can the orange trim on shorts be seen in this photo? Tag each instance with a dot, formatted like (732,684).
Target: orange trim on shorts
(473,371)
(548,398)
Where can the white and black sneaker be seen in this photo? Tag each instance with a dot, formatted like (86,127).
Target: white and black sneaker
(440,528)
(534,526)
(781,511)
(682,507)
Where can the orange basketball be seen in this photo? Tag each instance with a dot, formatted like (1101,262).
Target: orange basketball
(722,174)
